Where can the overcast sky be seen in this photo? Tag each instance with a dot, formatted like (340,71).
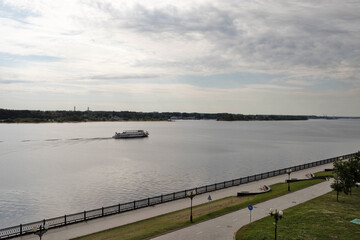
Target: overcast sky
(251,57)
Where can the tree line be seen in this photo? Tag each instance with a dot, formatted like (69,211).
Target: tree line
(14,116)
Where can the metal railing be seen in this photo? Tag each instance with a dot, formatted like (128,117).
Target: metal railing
(27,228)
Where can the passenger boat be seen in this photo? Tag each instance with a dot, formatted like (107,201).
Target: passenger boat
(131,134)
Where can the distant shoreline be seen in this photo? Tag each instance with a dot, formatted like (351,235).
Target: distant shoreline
(122,121)
(36,116)
(50,122)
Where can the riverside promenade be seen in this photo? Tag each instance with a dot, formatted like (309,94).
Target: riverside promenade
(225,227)
(222,227)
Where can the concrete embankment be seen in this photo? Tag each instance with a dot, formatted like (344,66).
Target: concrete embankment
(100,224)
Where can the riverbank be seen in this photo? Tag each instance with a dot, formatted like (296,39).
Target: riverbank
(225,227)
(176,221)
(84,228)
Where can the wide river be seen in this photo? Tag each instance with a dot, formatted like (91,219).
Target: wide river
(49,170)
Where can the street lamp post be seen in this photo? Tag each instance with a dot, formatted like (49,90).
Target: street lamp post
(277,215)
(191,195)
(41,231)
(289,172)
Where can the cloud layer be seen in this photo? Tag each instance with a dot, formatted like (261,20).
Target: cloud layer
(257,56)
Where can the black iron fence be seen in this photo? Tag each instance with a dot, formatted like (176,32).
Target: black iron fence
(27,228)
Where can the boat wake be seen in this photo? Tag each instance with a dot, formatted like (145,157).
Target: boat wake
(59,139)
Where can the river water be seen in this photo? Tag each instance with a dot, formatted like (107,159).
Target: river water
(49,170)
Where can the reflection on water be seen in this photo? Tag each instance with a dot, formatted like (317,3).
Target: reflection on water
(48,170)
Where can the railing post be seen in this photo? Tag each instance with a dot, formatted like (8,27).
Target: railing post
(161,198)
(206,190)
(119,207)
(174,196)
(148,201)
(134,204)
(44,223)
(20,229)
(102,211)
(65,219)
(84,215)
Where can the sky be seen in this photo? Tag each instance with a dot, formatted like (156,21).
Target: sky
(208,56)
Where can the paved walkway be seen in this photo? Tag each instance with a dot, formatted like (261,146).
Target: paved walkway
(225,227)
(222,225)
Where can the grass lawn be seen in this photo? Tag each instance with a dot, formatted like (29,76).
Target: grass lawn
(327,173)
(179,219)
(319,218)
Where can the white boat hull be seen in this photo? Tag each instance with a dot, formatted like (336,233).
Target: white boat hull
(131,134)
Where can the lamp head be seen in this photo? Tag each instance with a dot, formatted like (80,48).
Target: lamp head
(280,214)
(191,193)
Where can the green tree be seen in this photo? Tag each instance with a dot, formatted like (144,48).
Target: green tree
(337,185)
(347,174)
(354,168)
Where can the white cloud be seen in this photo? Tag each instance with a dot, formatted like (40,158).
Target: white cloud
(108,45)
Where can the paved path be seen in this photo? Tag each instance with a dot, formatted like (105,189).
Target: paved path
(96,225)
(225,227)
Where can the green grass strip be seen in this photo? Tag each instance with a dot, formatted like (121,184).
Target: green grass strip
(175,220)
(325,174)
(321,218)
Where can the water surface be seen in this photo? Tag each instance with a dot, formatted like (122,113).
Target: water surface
(48,170)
